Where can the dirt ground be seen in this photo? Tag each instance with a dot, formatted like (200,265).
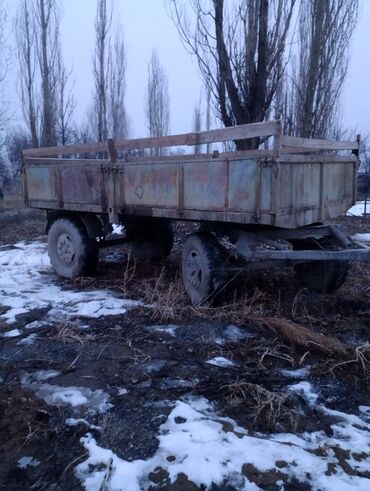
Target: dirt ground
(282,326)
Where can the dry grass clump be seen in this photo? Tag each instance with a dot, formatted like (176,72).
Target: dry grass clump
(70,333)
(267,407)
(305,338)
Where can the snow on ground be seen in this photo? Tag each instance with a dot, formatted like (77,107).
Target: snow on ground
(210,449)
(27,282)
(166,329)
(12,334)
(220,361)
(27,461)
(358,209)
(361,237)
(93,401)
(297,373)
(122,391)
(117,229)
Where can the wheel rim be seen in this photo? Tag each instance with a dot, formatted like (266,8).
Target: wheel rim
(194,269)
(65,249)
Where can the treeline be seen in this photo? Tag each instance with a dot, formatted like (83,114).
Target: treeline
(259,59)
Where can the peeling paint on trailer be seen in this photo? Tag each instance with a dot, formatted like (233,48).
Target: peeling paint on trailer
(255,191)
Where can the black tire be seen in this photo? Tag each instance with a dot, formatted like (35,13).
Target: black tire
(150,240)
(322,276)
(72,253)
(203,268)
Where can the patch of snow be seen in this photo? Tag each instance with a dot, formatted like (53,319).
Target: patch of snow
(25,462)
(305,389)
(95,401)
(117,229)
(297,373)
(361,237)
(27,283)
(220,361)
(39,376)
(358,209)
(55,395)
(77,421)
(12,334)
(365,410)
(234,333)
(122,391)
(153,365)
(177,383)
(166,329)
(28,340)
(210,455)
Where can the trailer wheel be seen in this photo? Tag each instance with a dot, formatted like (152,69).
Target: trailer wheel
(150,240)
(203,270)
(322,276)
(71,251)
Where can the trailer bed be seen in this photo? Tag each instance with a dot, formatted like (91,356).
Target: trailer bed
(297,182)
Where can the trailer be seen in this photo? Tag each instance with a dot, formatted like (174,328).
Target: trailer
(255,208)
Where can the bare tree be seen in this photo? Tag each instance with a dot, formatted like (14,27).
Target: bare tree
(48,53)
(65,130)
(325,31)
(26,41)
(157,104)
(47,101)
(197,124)
(101,68)
(118,121)
(239,46)
(3,63)
(208,116)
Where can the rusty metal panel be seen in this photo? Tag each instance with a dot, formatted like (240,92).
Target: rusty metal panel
(242,189)
(205,185)
(267,176)
(284,194)
(81,185)
(151,185)
(41,183)
(338,183)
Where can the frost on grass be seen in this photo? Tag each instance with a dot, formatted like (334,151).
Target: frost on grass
(213,450)
(27,283)
(220,361)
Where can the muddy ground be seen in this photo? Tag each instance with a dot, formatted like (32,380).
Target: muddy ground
(265,325)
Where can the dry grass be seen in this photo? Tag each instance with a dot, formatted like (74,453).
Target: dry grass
(268,407)
(361,355)
(305,338)
(72,334)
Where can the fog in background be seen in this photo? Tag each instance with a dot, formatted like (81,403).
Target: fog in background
(146,25)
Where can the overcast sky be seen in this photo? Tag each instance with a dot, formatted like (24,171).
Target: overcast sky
(147,25)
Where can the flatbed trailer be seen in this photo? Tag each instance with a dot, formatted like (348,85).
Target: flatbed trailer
(270,204)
